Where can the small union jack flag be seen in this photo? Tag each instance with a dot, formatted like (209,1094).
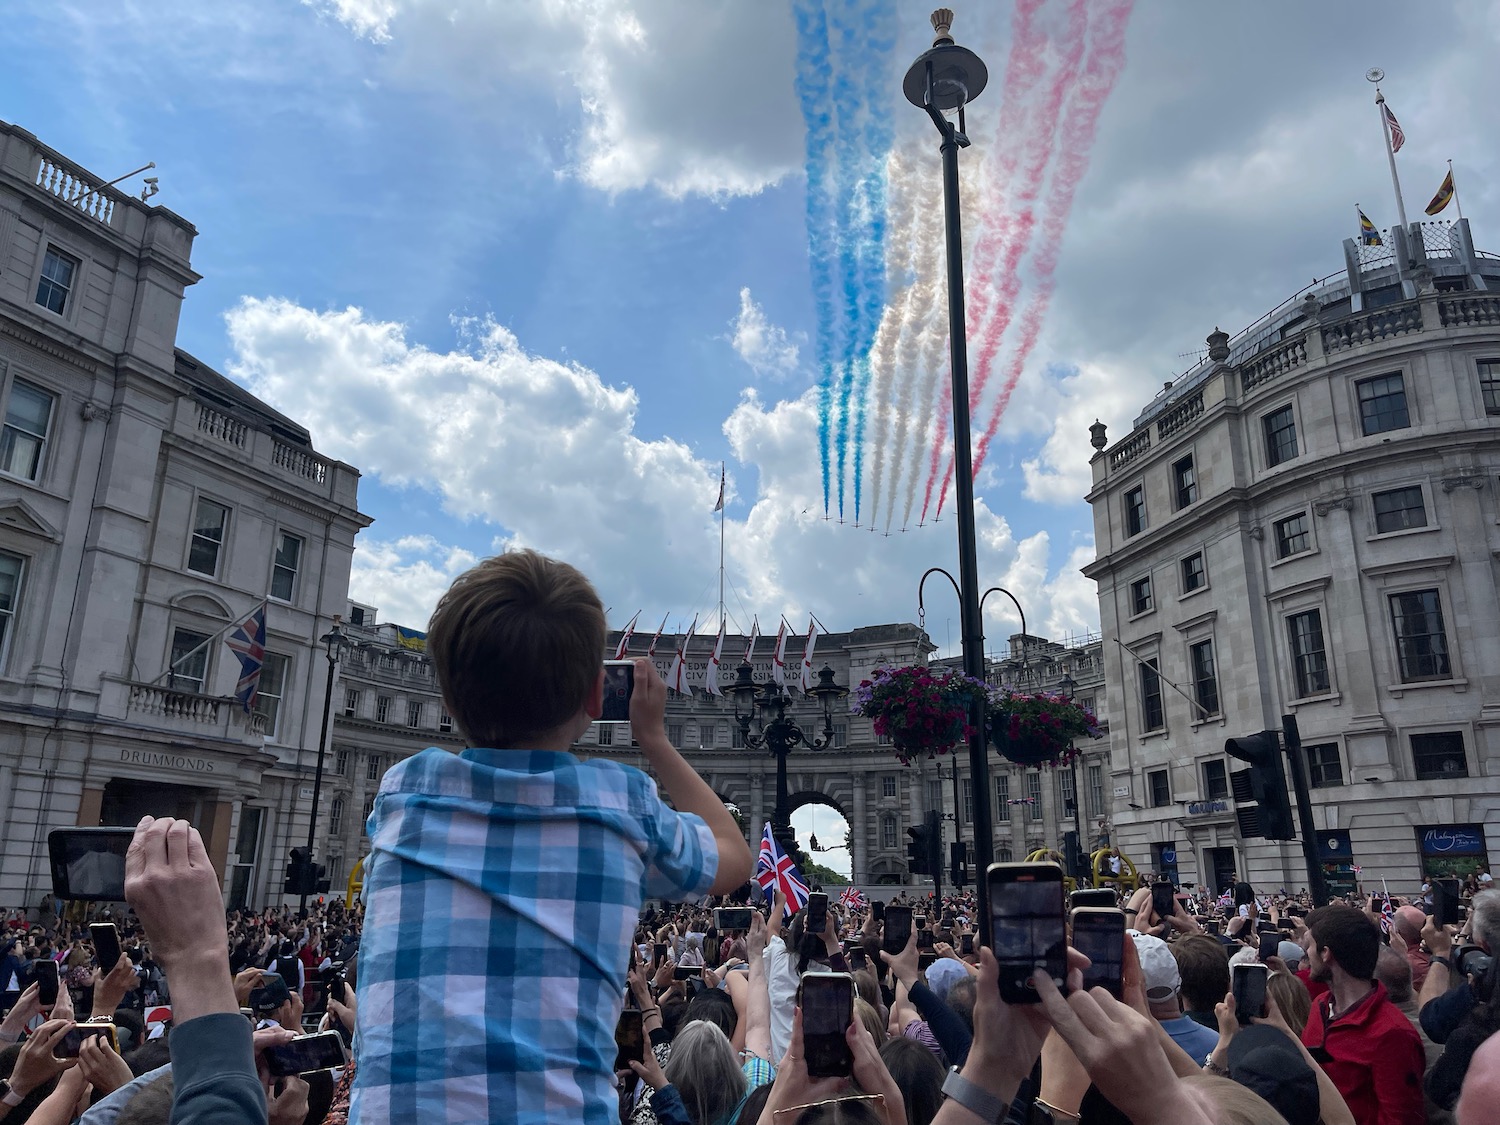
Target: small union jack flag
(247,640)
(853,899)
(774,870)
(1387,914)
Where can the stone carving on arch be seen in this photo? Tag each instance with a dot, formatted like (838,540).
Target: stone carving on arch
(203,603)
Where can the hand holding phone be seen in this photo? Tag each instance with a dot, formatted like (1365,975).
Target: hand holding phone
(630,1039)
(827,1012)
(106,939)
(1099,934)
(817,913)
(44,971)
(897,929)
(1027,932)
(306,1053)
(1248,983)
(619,686)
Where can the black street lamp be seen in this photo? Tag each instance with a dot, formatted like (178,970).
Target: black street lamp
(779,734)
(335,642)
(945,79)
(1068,685)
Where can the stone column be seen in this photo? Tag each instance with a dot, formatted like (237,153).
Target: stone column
(859,832)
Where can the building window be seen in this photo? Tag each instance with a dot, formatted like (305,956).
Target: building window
(604,734)
(1194,577)
(1003,853)
(336,816)
(335,867)
(1489,384)
(1439,756)
(1421,644)
(364,815)
(284,566)
(1205,679)
(1153,717)
(840,735)
(1399,509)
(888,785)
(935,795)
(1065,790)
(341,762)
(56,283)
(1281,436)
(382,708)
(674,734)
(209,521)
(736,737)
(1309,659)
(445,723)
(272,687)
(1292,536)
(372,768)
(28,415)
(1185,478)
(356,615)
(187,668)
(351,702)
(1135,511)
(1159,785)
(1034,792)
(1215,780)
(966,798)
(1382,404)
(414,713)
(1096,789)
(888,832)
(1140,596)
(1002,797)
(1324,770)
(10,594)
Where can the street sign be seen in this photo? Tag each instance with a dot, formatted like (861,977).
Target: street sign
(1122,790)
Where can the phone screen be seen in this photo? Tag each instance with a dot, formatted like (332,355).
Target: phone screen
(686,972)
(827,1011)
(1445,902)
(1162,899)
(732,917)
(1249,984)
(45,972)
(89,863)
(926,960)
(1099,934)
(924,939)
(306,1053)
(619,682)
(1094,896)
(877,910)
(897,929)
(857,959)
(966,943)
(106,941)
(1026,926)
(661,951)
(72,1039)
(630,1039)
(817,913)
(1269,943)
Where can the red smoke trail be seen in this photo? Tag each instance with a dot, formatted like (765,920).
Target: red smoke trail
(1106,61)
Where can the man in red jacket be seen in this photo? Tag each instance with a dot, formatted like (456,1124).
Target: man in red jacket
(1365,1044)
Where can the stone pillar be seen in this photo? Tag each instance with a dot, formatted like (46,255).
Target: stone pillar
(859,832)
(89,806)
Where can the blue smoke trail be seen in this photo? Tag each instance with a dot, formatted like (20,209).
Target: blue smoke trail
(812,87)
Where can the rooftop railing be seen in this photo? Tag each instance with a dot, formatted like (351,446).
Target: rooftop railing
(75,187)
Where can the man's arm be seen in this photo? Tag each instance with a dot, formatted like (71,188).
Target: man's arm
(1398,1079)
(689,792)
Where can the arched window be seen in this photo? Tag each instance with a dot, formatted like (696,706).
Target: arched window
(888,832)
(1003,854)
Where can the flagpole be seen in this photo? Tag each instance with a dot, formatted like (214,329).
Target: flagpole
(1390,153)
(196,649)
(721,546)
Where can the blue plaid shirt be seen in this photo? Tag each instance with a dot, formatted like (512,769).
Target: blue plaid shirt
(503,889)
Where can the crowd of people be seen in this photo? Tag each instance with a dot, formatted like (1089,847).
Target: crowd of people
(540,940)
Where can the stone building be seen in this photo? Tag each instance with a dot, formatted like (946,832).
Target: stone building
(147,504)
(1305,524)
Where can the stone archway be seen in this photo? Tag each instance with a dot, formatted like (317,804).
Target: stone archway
(801,798)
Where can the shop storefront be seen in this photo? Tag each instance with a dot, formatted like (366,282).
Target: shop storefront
(1452,849)
(1336,854)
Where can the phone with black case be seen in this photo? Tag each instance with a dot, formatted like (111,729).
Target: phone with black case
(827,1012)
(1094,896)
(1269,944)
(305,1054)
(630,1039)
(817,913)
(44,972)
(1248,983)
(1099,934)
(877,910)
(1027,931)
(106,941)
(1445,902)
(897,929)
(1163,900)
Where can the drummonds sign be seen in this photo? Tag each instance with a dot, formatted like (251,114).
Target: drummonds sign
(161,760)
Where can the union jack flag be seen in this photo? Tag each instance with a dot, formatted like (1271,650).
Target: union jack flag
(774,870)
(247,640)
(1226,899)
(851,898)
(1387,914)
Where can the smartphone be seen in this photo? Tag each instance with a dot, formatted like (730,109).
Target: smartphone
(307,1053)
(924,939)
(877,910)
(734,917)
(89,863)
(661,951)
(67,1047)
(858,959)
(1445,902)
(1163,899)
(1211,926)
(687,972)
(1263,926)
(106,941)
(827,1012)
(926,959)
(44,972)
(1249,985)
(966,943)
(1269,944)
(1027,931)
(817,913)
(630,1039)
(1099,934)
(897,929)
(1099,896)
(920,920)
(619,684)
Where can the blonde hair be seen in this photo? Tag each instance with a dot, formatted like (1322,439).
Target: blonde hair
(1233,1104)
(1292,999)
(865,1012)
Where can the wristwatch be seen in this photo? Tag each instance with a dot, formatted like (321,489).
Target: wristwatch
(973,1098)
(8,1096)
(1212,1067)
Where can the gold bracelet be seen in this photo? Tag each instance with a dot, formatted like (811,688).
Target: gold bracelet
(1067,1115)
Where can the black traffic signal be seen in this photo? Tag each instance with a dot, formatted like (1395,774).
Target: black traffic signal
(321,883)
(918,850)
(297,871)
(1074,860)
(1264,783)
(958,864)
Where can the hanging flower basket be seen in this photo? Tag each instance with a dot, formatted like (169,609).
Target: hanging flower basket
(1037,729)
(921,710)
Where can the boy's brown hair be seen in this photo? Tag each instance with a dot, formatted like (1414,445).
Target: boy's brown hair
(517,642)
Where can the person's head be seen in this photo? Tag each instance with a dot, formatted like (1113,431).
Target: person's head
(1265,1060)
(1291,953)
(1409,921)
(847,1109)
(1341,938)
(961,999)
(130,1028)
(1484,920)
(1159,975)
(1393,970)
(1204,967)
(150,1105)
(866,1014)
(1292,999)
(755,1103)
(716,1007)
(706,1072)
(1481,1088)
(517,642)
(918,1075)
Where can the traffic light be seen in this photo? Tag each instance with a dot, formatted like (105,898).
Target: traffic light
(296,871)
(1073,856)
(1264,783)
(321,882)
(934,824)
(958,866)
(918,850)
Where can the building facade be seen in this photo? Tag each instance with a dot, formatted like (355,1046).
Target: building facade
(147,504)
(1306,524)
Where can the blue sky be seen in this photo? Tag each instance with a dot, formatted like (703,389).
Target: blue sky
(537,269)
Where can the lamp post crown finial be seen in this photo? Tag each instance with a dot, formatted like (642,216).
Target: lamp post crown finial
(942,23)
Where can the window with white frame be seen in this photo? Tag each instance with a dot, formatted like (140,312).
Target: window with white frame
(336,816)
(1309,654)
(210,520)
(11,569)
(1421,640)
(372,767)
(966,797)
(1002,797)
(187,666)
(1399,509)
(1065,792)
(1153,715)
(1185,480)
(1281,436)
(1439,756)
(887,832)
(1135,511)
(1095,773)
(888,785)
(1382,403)
(284,566)
(445,722)
(55,285)
(28,420)
(414,713)
(1140,596)
(1034,792)
(1489,384)
(1205,679)
(351,702)
(1194,576)
(364,815)
(605,734)
(1324,769)
(341,762)
(1293,536)
(272,688)
(840,735)
(382,708)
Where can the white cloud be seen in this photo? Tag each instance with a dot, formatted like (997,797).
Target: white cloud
(404,578)
(689,100)
(761,344)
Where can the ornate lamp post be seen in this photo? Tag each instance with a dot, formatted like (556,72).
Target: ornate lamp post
(334,641)
(765,704)
(1068,686)
(943,80)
